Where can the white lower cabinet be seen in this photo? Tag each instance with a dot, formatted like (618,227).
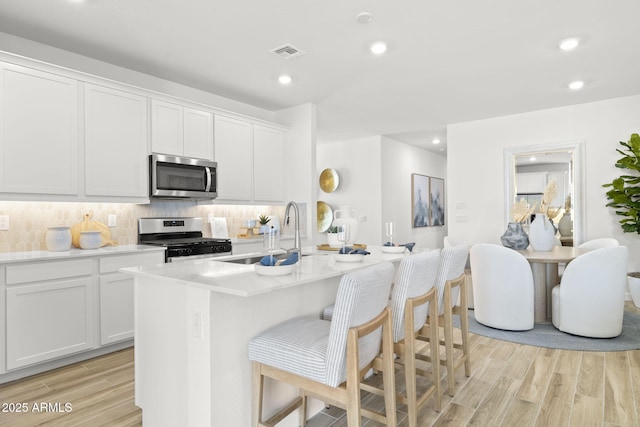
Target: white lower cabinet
(116,308)
(56,308)
(116,295)
(49,311)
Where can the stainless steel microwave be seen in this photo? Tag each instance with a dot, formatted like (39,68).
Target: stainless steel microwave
(176,177)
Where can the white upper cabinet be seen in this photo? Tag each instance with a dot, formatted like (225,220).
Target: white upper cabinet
(250,161)
(233,153)
(180,130)
(198,134)
(38,132)
(116,155)
(529,183)
(268,164)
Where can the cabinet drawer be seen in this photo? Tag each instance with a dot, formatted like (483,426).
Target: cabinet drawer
(36,272)
(110,264)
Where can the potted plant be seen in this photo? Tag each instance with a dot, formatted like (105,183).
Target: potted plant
(263,220)
(332,237)
(624,197)
(624,194)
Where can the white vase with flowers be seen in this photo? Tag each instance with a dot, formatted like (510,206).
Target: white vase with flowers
(542,234)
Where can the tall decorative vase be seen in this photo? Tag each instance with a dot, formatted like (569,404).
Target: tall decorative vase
(565,225)
(542,234)
(515,237)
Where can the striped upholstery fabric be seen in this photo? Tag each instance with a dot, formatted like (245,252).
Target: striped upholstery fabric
(315,348)
(452,264)
(327,313)
(416,276)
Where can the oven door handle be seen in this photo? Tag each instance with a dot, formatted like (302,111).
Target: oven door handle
(208,172)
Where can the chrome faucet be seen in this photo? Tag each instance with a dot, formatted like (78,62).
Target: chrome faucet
(296,241)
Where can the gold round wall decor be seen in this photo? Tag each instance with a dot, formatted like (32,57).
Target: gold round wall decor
(329,180)
(325,216)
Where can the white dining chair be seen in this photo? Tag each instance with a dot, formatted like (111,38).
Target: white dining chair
(503,287)
(590,298)
(604,242)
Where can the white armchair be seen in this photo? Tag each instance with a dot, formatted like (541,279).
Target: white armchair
(502,287)
(604,242)
(590,298)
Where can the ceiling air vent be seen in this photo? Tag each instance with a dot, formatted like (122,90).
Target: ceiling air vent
(287,51)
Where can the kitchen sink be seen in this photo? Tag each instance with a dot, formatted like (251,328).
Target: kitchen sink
(256,258)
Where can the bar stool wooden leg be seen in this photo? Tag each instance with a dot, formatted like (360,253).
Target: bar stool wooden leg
(257,387)
(448,341)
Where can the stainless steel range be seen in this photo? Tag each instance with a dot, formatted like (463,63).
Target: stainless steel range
(182,237)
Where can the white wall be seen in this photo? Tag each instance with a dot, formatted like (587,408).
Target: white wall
(359,166)
(300,159)
(375,179)
(399,161)
(475,166)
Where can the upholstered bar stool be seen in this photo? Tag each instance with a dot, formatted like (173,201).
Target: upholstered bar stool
(451,283)
(414,304)
(328,360)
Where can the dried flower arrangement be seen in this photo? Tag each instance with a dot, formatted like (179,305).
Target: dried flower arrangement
(550,193)
(521,211)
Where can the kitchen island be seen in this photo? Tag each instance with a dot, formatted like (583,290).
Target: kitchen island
(193,321)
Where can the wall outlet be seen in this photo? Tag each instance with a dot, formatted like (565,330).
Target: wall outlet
(112,220)
(4,222)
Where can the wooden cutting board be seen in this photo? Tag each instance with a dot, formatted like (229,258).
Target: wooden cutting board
(326,247)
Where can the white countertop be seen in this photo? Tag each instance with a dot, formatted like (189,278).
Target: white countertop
(242,280)
(12,257)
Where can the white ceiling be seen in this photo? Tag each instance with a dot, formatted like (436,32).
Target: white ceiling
(447,62)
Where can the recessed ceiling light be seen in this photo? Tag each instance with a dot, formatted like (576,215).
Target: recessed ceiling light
(569,44)
(285,79)
(378,48)
(532,159)
(364,18)
(577,85)
(435,141)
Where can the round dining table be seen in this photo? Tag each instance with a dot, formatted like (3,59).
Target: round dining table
(544,266)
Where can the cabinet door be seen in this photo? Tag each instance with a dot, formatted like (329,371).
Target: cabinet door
(268,164)
(198,134)
(48,320)
(116,160)
(166,128)
(38,132)
(536,182)
(234,157)
(116,308)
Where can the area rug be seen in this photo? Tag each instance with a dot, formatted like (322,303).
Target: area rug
(546,335)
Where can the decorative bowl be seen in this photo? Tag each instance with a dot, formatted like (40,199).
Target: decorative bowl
(90,239)
(276,270)
(348,257)
(393,249)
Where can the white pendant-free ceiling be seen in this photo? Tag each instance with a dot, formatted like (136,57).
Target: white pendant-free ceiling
(446,62)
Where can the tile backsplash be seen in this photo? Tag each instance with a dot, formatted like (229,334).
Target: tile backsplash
(29,220)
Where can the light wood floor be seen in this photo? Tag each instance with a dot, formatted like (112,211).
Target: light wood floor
(511,385)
